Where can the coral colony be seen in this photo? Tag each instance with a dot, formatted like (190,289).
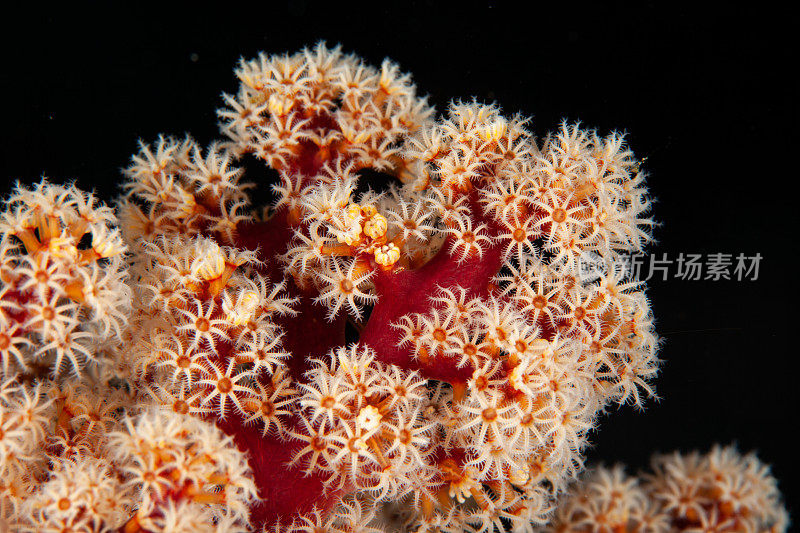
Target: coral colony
(180,363)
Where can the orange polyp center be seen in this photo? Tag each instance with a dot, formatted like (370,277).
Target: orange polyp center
(48,313)
(328,402)
(180,407)
(580,312)
(267,408)
(489,414)
(346,285)
(63,504)
(5,341)
(470,350)
(519,235)
(539,302)
(202,324)
(521,346)
(439,334)
(468,237)
(559,215)
(318,444)
(183,362)
(224,385)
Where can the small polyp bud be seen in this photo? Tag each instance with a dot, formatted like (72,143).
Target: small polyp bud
(368,211)
(376,226)
(211,262)
(387,255)
(369,418)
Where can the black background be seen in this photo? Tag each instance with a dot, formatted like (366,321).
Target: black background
(705,95)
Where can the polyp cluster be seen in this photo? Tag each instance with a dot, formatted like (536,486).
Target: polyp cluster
(204,381)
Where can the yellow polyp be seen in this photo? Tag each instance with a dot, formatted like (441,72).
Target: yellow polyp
(375,227)
(74,291)
(387,255)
